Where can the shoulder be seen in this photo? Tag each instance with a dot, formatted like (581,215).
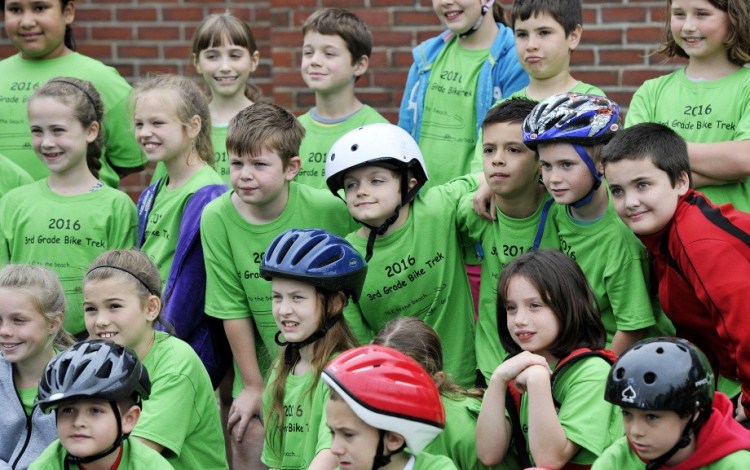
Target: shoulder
(52,457)
(171,356)
(504,43)
(618,455)
(433,462)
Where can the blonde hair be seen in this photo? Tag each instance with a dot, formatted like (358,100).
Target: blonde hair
(46,293)
(190,101)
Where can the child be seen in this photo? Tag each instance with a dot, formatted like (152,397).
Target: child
(708,101)
(411,242)
(381,404)
(263,144)
(672,416)
(66,220)
(335,54)
(32,305)
(312,274)
(172,125)
(43,36)
(417,340)
(569,130)
(551,324)
(12,175)
(454,80)
(700,251)
(180,420)
(225,55)
(521,208)
(96,389)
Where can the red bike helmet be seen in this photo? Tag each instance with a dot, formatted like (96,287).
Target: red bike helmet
(389,391)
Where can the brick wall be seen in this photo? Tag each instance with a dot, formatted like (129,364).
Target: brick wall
(142,36)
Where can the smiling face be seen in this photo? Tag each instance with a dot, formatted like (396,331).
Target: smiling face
(458,15)
(565,175)
(297,308)
(510,167)
(25,333)
(58,138)
(699,28)
(327,63)
(158,130)
(226,68)
(654,432)
(542,46)
(643,195)
(372,194)
(37,27)
(261,180)
(532,324)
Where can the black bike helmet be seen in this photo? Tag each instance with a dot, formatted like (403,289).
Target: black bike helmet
(318,258)
(93,369)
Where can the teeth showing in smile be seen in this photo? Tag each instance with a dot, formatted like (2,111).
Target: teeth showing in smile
(452,15)
(289,324)
(106,335)
(9,345)
(149,146)
(225,79)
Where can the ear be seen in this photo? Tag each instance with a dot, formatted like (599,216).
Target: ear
(93,132)
(196,64)
(393,441)
(292,168)
(574,37)
(682,185)
(130,418)
(412,183)
(254,61)
(69,13)
(361,65)
(56,323)
(194,126)
(153,307)
(337,302)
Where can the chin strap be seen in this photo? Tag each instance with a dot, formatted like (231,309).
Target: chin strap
(292,349)
(592,168)
(70,458)
(381,460)
(473,29)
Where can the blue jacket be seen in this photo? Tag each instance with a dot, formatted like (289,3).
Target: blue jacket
(185,291)
(501,75)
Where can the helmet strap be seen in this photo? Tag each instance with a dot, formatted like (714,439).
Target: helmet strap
(684,441)
(594,172)
(293,348)
(380,459)
(473,29)
(70,458)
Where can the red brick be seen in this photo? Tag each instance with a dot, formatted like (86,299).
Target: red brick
(414,18)
(598,78)
(110,33)
(623,14)
(621,56)
(648,35)
(182,14)
(93,14)
(602,36)
(136,14)
(163,33)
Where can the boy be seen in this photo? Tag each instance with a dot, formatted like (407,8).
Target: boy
(236,228)
(411,243)
(521,208)
(335,54)
(671,415)
(569,130)
(382,402)
(701,251)
(95,388)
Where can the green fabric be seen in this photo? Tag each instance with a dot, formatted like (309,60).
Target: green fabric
(448,134)
(418,270)
(426,461)
(219,141)
(502,241)
(319,138)
(163,226)
(65,234)
(233,249)
(181,414)
(28,397)
(135,456)
(587,419)
(620,455)
(616,266)
(12,175)
(700,111)
(19,78)
(304,428)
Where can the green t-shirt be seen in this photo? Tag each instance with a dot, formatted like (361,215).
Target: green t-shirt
(181,414)
(11,175)
(304,428)
(19,78)
(219,141)
(418,270)
(502,241)
(620,455)
(135,456)
(65,234)
(320,137)
(425,461)
(616,266)
(449,131)
(587,419)
(703,112)
(163,226)
(233,250)
(28,397)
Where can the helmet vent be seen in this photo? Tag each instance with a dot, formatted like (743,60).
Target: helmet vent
(355,147)
(660,350)
(105,370)
(79,370)
(649,378)
(620,373)
(304,250)
(283,250)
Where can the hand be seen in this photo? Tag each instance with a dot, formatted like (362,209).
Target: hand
(483,202)
(531,373)
(246,406)
(511,368)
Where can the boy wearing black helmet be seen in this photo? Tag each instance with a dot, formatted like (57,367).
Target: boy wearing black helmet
(95,388)
(672,416)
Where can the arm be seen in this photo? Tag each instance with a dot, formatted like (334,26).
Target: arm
(325,460)
(248,404)
(152,444)
(728,161)
(623,339)
(700,180)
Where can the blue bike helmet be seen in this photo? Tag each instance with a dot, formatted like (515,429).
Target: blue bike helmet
(577,119)
(318,258)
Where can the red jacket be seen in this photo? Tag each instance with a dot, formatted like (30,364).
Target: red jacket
(702,264)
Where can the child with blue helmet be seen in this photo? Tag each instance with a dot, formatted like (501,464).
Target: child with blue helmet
(569,130)
(312,274)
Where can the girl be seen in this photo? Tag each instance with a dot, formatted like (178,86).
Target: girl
(551,320)
(225,55)
(707,102)
(172,125)
(418,340)
(313,273)
(32,305)
(65,221)
(180,419)
(41,31)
